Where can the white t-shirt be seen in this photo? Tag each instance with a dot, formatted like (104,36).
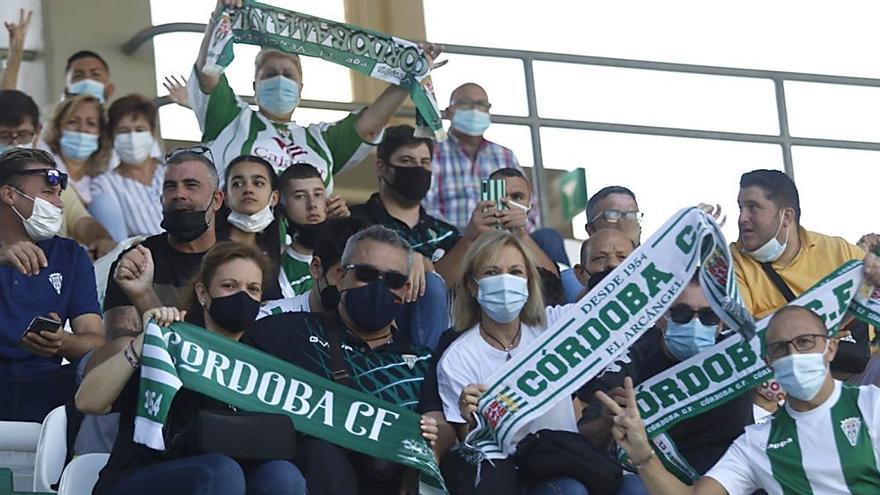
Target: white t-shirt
(295,304)
(471,359)
(809,449)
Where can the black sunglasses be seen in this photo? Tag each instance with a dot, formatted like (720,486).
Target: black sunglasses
(199,149)
(369,273)
(52,176)
(684,314)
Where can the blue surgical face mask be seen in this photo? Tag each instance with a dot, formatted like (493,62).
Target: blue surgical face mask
(87,87)
(278,95)
(472,122)
(801,375)
(685,340)
(78,145)
(502,297)
(772,249)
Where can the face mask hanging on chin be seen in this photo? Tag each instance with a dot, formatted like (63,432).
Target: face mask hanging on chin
(772,249)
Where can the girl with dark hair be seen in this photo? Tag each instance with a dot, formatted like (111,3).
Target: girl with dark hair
(225,298)
(249,214)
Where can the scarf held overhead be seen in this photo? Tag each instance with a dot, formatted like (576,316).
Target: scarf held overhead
(378,55)
(243,377)
(604,324)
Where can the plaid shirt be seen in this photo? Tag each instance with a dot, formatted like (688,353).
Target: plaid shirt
(455,185)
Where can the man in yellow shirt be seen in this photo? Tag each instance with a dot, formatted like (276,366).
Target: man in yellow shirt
(771,239)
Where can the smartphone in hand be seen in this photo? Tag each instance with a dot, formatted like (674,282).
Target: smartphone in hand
(494,190)
(41,323)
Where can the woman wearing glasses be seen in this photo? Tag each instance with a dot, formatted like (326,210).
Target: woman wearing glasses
(224,299)
(499,310)
(126,199)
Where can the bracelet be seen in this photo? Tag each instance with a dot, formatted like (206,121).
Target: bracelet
(640,465)
(131,356)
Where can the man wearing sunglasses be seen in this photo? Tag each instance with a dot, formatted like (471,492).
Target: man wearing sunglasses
(687,328)
(41,276)
(615,207)
(358,345)
(822,441)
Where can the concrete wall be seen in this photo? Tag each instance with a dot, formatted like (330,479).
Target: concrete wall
(101,26)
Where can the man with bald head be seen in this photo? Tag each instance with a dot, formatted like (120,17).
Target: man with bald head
(600,254)
(466,158)
(824,426)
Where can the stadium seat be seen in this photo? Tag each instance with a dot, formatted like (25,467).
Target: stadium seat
(81,474)
(18,444)
(51,450)
(19,436)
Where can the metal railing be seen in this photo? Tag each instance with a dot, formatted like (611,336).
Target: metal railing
(535,122)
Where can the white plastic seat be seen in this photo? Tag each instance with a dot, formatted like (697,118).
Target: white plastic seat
(81,474)
(19,436)
(18,445)
(51,450)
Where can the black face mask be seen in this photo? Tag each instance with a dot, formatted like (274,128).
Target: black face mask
(372,306)
(597,277)
(185,226)
(411,183)
(235,312)
(329,297)
(306,234)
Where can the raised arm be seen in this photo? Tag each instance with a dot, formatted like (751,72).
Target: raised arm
(629,432)
(103,383)
(17,35)
(207,82)
(375,117)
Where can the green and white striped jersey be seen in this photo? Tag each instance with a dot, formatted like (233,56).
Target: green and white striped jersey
(230,127)
(294,277)
(829,450)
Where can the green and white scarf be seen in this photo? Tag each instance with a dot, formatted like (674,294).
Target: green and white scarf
(607,321)
(378,55)
(243,377)
(735,366)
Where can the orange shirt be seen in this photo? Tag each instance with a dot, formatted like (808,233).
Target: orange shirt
(818,256)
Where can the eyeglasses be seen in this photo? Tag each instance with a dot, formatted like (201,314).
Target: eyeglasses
(52,176)
(801,343)
(369,273)
(199,149)
(21,136)
(684,314)
(468,104)
(614,216)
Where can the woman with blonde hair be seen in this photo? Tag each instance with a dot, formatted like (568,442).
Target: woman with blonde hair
(499,310)
(76,136)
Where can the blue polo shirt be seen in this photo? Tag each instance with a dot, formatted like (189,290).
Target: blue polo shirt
(66,286)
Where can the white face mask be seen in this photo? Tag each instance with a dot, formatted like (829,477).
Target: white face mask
(45,220)
(772,249)
(252,223)
(133,147)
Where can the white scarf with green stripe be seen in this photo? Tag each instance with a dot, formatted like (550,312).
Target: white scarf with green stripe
(609,319)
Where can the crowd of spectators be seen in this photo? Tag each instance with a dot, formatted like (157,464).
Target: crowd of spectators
(427,287)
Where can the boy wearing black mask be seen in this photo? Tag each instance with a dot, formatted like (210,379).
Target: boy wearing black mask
(325,270)
(306,207)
